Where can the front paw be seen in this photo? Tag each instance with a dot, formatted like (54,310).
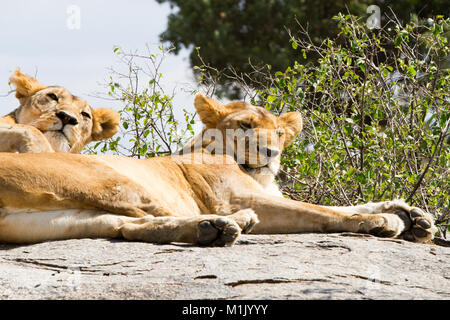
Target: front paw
(422,226)
(246,219)
(419,225)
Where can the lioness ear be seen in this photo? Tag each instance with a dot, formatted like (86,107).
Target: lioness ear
(105,123)
(209,110)
(293,124)
(26,85)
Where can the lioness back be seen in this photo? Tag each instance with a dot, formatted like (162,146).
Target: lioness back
(46,181)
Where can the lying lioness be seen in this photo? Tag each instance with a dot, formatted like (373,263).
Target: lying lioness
(202,196)
(51,119)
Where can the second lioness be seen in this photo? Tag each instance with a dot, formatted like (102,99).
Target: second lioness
(51,119)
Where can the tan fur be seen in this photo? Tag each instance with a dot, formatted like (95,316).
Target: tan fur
(35,127)
(202,195)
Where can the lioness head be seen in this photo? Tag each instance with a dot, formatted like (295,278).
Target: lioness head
(253,135)
(67,121)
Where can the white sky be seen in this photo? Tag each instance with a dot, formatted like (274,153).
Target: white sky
(35,37)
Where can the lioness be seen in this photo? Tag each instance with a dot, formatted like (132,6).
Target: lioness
(51,119)
(203,196)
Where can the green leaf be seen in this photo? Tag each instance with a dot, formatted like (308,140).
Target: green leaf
(361,178)
(411,70)
(143,150)
(362,66)
(271,99)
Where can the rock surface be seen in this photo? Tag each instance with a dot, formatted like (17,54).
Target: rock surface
(302,266)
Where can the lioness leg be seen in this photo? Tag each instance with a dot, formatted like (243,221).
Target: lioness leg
(22,139)
(279,215)
(202,230)
(31,227)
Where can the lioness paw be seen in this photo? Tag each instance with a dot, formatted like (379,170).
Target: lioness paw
(418,225)
(246,219)
(217,231)
(422,227)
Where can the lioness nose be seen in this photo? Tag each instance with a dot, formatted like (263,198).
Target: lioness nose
(67,118)
(269,152)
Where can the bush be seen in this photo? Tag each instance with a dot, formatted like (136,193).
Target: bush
(376,113)
(149,126)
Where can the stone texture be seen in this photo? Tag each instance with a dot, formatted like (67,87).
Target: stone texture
(301,266)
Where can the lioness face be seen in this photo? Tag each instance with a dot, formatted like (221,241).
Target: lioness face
(255,136)
(67,121)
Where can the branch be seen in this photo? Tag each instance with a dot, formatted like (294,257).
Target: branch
(419,182)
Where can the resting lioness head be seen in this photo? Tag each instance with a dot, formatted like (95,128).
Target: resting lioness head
(254,136)
(67,121)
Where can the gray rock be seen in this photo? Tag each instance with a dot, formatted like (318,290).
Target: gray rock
(300,266)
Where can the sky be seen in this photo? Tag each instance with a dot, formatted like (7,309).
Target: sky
(70,43)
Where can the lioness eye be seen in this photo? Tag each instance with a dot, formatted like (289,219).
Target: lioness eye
(52,96)
(280,133)
(245,125)
(85,114)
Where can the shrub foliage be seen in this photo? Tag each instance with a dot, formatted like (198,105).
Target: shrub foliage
(376,112)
